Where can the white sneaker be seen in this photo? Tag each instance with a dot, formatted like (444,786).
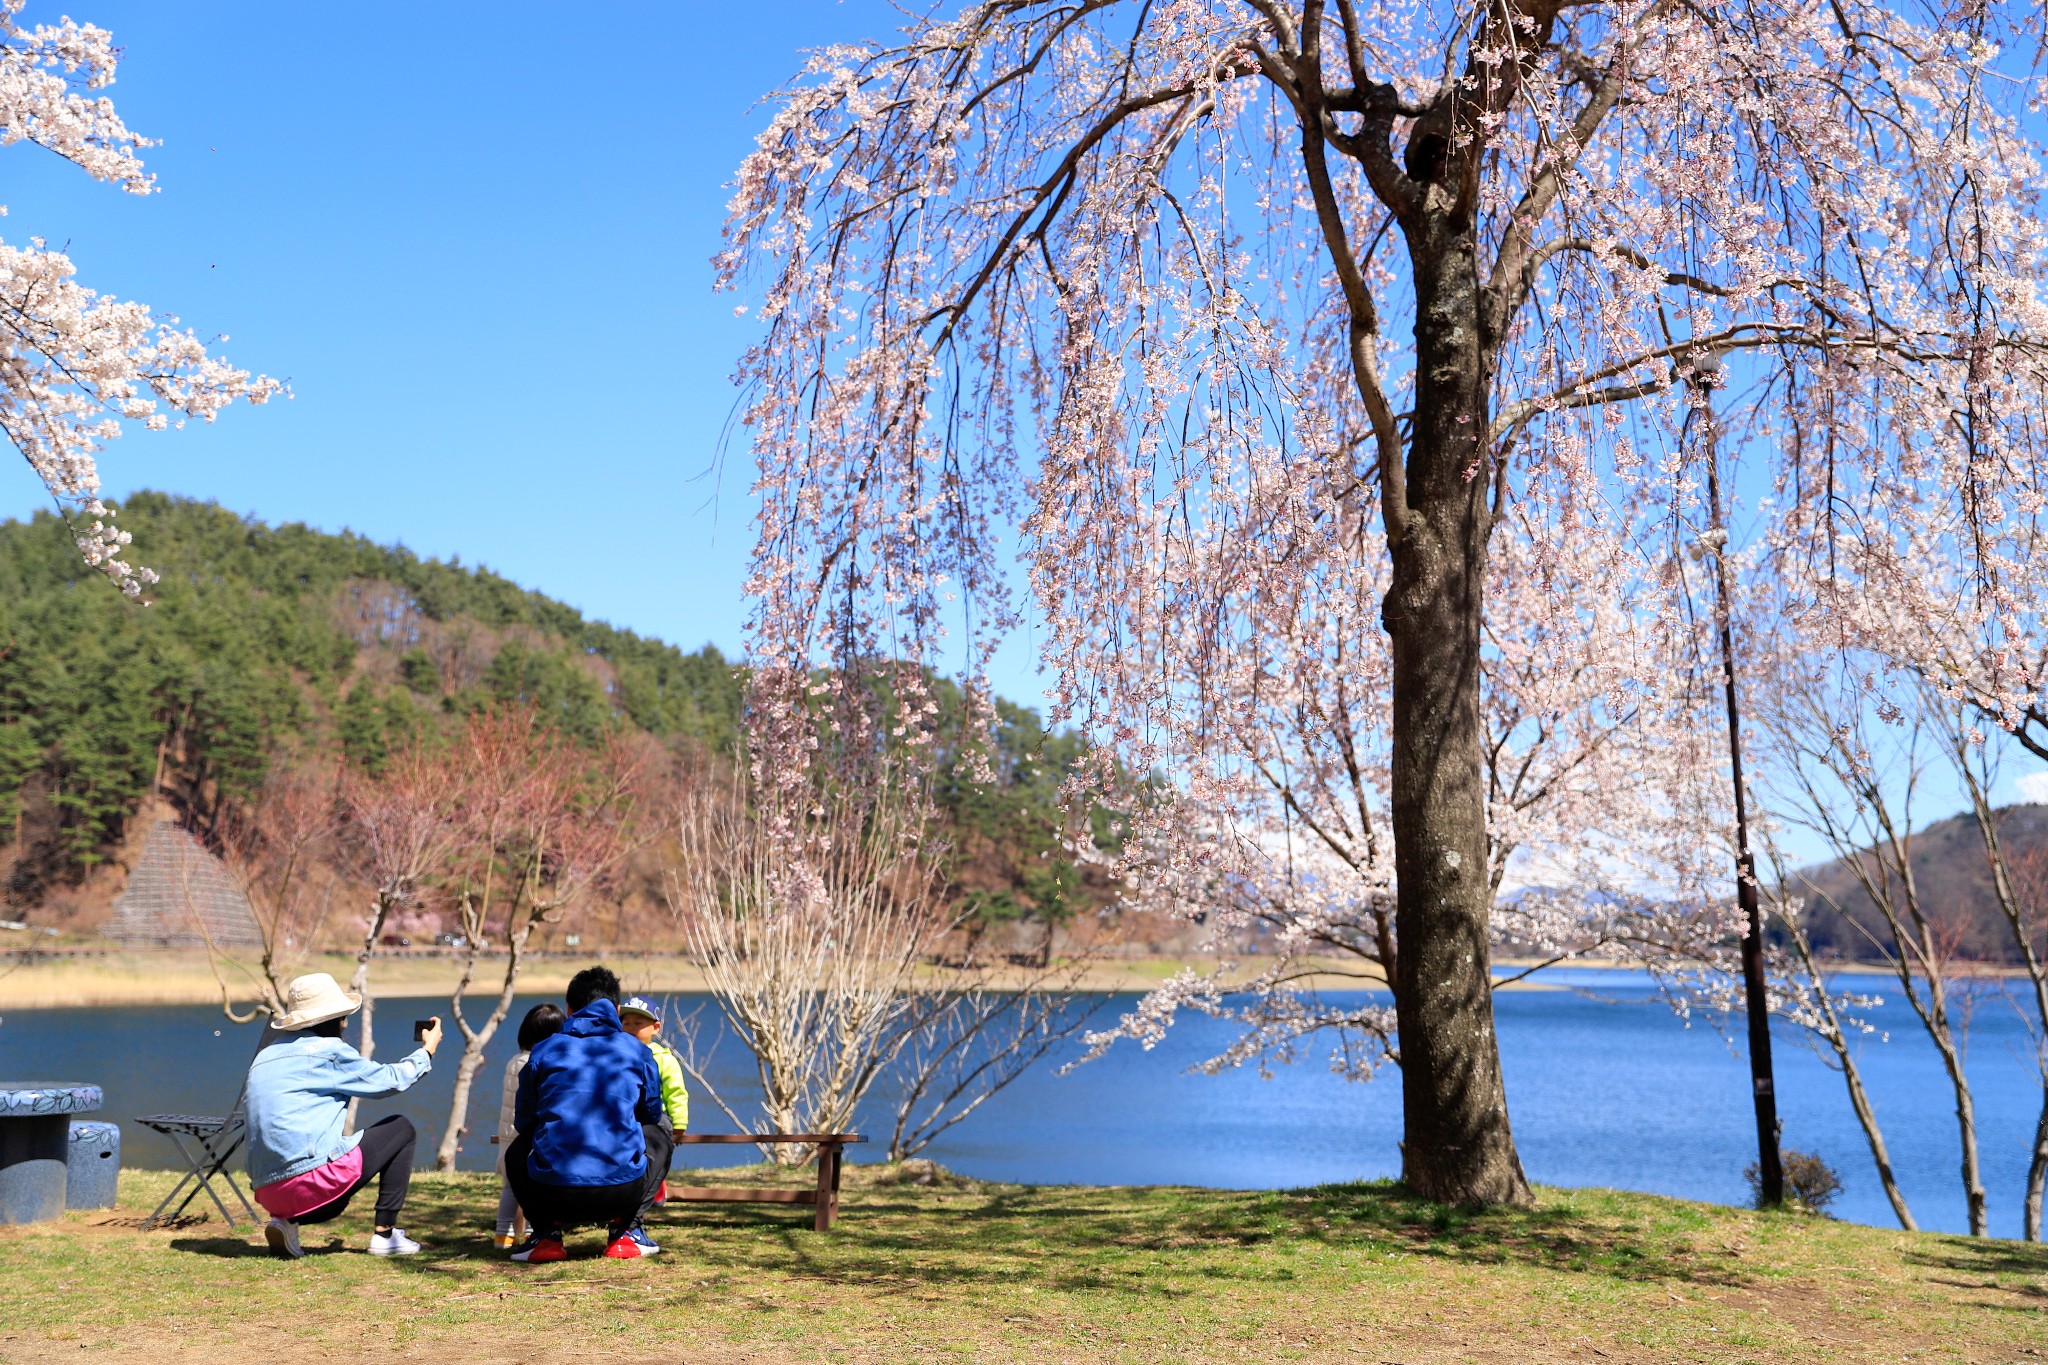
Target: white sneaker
(283,1236)
(396,1243)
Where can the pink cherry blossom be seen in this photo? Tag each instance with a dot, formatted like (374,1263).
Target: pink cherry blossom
(76,365)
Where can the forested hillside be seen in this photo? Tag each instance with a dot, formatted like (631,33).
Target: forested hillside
(264,643)
(1952,881)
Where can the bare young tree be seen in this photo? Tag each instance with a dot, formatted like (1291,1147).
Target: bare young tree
(540,822)
(977,1024)
(2019,879)
(1802,994)
(276,850)
(1698,964)
(813,961)
(1851,776)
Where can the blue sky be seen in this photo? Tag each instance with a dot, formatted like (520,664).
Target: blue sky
(476,240)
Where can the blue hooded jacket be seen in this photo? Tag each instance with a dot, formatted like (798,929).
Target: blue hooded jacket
(583,1094)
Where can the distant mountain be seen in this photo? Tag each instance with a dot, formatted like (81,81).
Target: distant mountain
(265,641)
(262,639)
(1954,882)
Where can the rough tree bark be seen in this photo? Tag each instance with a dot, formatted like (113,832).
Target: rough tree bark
(1459,1147)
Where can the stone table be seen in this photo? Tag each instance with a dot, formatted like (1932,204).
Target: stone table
(35,1139)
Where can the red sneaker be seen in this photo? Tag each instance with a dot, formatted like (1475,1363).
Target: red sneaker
(661,1196)
(623,1248)
(542,1251)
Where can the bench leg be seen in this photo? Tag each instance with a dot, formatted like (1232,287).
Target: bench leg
(821,1210)
(829,1154)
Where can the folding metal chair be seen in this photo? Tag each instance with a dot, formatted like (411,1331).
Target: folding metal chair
(213,1141)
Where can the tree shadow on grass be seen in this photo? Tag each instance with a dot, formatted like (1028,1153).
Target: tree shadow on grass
(1591,1232)
(1985,1257)
(896,1240)
(1091,1232)
(1080,1239)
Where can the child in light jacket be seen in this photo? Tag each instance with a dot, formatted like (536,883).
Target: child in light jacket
(642,1018)
(542,1021)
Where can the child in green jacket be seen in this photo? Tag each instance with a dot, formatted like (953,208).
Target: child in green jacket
(642,1019)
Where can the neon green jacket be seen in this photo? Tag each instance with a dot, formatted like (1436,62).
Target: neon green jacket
(674,1098)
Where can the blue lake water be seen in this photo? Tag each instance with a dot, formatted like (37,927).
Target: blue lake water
(1605,1087)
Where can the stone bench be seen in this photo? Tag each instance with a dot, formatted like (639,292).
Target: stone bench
(35,1145)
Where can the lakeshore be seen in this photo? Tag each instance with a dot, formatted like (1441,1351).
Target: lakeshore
(68,978)
(993,1272)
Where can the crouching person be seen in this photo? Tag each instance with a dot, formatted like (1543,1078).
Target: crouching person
(303,1169)
(594,1142)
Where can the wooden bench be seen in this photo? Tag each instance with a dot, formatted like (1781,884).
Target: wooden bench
(831,1150)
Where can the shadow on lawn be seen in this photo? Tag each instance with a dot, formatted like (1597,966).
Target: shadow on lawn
(894,1240)
(1985,1258)
(1383,1217)
(1075,1239)
(231,1248)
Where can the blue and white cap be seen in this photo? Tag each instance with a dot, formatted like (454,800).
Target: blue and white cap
(640,1004)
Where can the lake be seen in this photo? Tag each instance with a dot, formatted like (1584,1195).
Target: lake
(1605,1087)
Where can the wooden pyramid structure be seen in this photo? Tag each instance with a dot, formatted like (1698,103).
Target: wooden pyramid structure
(180,896)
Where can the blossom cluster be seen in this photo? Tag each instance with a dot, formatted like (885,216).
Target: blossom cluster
(76,365)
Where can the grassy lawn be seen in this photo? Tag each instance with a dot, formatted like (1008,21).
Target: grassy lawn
(1009,1273)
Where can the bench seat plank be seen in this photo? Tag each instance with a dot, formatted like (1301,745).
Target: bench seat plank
(739,1194)
(837,1139)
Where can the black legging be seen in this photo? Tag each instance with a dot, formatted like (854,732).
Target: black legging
(553,1208)
(387,1155)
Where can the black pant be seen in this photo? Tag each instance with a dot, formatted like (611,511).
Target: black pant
(553,1208)
(657,1165)
(387,1155)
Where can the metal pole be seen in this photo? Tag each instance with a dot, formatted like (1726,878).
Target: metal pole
(1770,1166)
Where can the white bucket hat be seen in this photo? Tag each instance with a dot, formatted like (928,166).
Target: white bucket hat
(314,999)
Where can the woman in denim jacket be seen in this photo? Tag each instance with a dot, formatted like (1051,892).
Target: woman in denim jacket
(303,1168)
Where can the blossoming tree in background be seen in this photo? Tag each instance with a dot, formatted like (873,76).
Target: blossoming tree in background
(1923,624)
(1592,733)
(1229,309)
(75,365)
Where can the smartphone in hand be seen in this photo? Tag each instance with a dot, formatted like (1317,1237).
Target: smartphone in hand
(420,1027)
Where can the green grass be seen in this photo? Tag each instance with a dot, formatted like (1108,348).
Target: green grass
(1038,1274)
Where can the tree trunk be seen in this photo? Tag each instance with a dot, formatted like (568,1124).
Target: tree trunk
(1966,1120)
(1966,1104)
(2037,1172)
(458,1108)
(1859,1099)
(1458,1148)
(359,986)
(1763,1086)
(474,1041)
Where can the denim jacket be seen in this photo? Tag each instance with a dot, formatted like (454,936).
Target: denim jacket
(299,1088)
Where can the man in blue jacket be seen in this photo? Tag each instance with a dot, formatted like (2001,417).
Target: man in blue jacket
(594,1142)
